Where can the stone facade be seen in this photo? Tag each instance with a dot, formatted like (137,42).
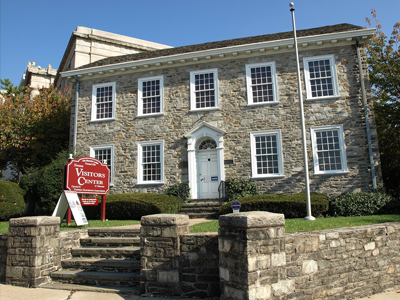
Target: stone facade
(237,119)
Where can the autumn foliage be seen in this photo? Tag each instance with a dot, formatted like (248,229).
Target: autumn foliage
(32,131)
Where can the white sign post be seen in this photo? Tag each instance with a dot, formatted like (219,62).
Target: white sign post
(71,199)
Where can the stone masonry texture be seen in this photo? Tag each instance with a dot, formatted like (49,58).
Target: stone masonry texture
(237,119)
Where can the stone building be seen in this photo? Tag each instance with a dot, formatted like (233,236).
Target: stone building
(229,109)
(37,77)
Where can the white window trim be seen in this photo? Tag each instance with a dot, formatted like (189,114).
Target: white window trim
(94,108)
(248,83)
(139,162)
(342,148)
(140,96)
(92,154)
(253,154)
(334,76)
(192,90)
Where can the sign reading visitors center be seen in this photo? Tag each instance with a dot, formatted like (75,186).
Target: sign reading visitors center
(88,175)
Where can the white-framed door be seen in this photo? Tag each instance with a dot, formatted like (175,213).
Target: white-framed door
(207,171)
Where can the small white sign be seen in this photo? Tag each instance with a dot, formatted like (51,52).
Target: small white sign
(71,199)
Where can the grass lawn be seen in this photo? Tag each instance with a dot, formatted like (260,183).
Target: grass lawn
(291,225)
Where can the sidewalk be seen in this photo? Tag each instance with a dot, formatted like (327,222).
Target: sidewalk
(8,292)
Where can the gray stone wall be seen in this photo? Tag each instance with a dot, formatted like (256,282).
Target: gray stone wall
(238,120)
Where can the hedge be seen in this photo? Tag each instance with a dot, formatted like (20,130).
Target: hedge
(135,205)
(12,202)
(292,206)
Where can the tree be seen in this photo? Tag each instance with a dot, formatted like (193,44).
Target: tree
(32,131)
(384,72)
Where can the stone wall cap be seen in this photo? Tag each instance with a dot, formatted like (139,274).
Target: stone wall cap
(252,219)
(34,221)
(165,220)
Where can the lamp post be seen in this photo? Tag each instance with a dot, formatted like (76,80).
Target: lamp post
(309,217)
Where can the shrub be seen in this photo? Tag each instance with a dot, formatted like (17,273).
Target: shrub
(12,203)
(358,204)
(135,205)
(239,188)
(292,206)
(180,190)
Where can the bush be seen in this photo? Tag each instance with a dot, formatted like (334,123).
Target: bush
(180,190)
(12,203)
(292,206)
(134,206)
(239,188)
(359,204)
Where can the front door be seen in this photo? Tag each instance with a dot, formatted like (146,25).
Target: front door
(208,174)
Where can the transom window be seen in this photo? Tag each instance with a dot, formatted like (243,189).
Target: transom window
(208,145)
(204,89)
(320,75)
(105,155)
(151,162)
(328,149)
(103,101)
(266,154)
(261,83)
(150,95)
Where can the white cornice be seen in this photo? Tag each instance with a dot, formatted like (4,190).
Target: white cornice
(246,50)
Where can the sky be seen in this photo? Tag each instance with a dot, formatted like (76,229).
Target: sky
(39,30)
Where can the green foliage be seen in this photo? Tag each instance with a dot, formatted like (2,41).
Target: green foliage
(180,190)
(358,204)
(239,188)
(46,185)
(12,203)
(383,57)
(135,205)
(292,206)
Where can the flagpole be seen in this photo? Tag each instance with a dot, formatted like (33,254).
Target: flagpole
(309,217)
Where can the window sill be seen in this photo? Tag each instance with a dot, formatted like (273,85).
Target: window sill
(204,109)
(268,177)
(323,98)
(149,183)
(331,173)
(102,120)
(150,115)
(263,103)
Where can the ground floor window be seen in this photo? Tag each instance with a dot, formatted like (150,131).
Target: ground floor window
(104,154)
(151,162)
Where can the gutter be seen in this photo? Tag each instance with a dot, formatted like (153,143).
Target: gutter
(76,114)
(364,100)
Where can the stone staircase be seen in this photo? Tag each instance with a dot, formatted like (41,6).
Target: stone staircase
(108,261)
(201,208)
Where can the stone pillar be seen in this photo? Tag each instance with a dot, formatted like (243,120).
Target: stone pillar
(251,255)
(160,251)
(31,247)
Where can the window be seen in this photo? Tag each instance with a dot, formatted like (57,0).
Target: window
(320,76)
(150,96)
(104,154)
(261,83)
(266,154)
(328,150)
(151,162)
(103,101)
(204,89)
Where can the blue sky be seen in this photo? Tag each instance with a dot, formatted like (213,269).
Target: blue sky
(40,30)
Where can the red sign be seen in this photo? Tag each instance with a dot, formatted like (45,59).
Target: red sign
(88,175)
(89,201)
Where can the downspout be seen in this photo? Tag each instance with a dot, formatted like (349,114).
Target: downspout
(76,113)
(364,100)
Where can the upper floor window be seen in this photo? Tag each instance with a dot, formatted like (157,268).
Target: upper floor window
(266,154)
(151,162)
(150,96)
(105,155)
(329,152)
(261,83)
(103,101)
(204,89)
(320,77)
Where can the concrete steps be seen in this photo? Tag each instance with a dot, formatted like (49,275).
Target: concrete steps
(108,259)
(201,208)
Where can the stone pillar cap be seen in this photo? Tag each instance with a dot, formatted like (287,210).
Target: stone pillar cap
(252,219)
(165,220)
(34,221)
